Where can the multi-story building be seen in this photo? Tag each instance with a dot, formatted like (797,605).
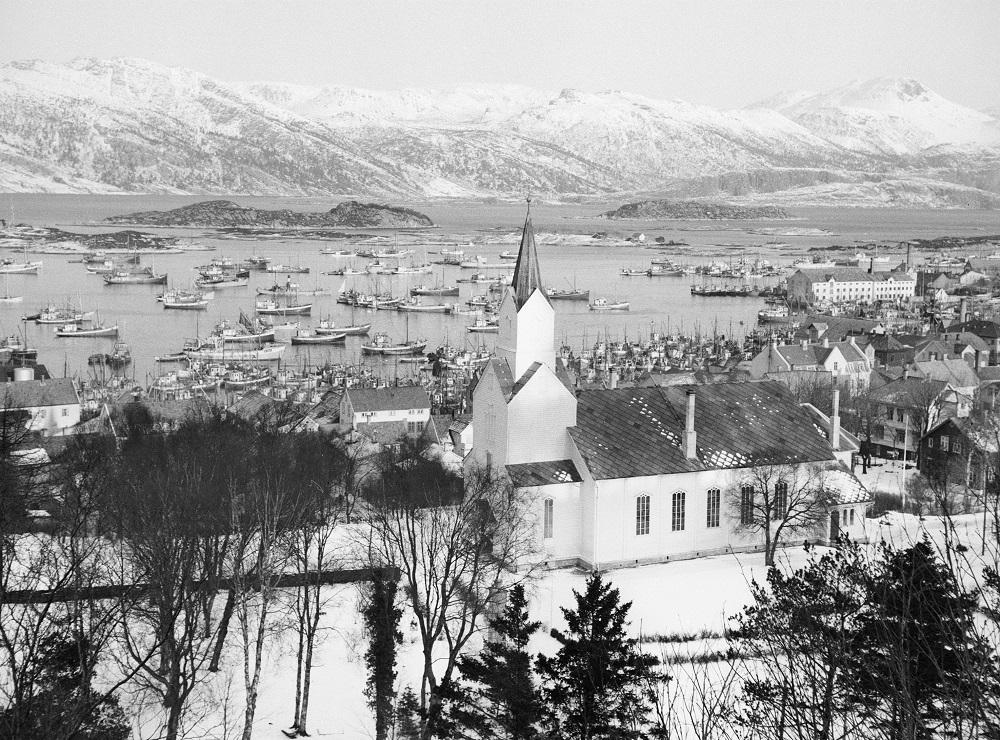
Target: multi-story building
(849,284)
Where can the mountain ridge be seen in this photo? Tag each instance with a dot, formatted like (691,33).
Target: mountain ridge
(130,125)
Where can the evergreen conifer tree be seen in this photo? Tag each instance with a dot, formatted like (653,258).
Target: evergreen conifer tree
(598,684)
(381,616)
(497,696)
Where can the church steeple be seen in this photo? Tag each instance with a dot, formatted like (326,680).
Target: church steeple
(527,274)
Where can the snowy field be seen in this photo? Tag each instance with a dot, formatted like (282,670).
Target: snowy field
(677,597)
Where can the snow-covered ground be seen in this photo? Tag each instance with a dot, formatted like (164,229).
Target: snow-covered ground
(683,596)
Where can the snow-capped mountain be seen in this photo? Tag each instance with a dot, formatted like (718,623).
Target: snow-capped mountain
(132,125)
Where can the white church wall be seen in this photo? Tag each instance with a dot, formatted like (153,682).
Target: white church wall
(489,421)
(535,336)
(537,419)
(563,546)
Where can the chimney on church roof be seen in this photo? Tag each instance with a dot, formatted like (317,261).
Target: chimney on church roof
(527,273)
(690,436)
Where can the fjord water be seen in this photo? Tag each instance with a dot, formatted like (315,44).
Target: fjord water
(567,253)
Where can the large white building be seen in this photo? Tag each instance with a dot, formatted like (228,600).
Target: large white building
(627,476)
(849,284)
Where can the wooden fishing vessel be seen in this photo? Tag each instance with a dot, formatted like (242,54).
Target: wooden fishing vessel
(569,294)
(273,308)
(381,344)
(306,336)
(128,277)
(216,349)
(443,290)
(97,330)
(603,304)
(287,269)
(415,307)
(327,326)
(484,326)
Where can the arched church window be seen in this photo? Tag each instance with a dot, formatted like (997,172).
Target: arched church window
(678,503)
(642,514)
(713,504)
(548,507)
(746,504)
(780,500)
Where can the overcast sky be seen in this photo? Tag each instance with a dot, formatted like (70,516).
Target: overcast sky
(724,54)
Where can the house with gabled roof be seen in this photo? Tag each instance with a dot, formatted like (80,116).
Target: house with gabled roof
(386,415)
(50,406)
(623,476)
(844,364)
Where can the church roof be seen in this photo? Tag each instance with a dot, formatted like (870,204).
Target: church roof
(527,272)
(548,472)
(639,431)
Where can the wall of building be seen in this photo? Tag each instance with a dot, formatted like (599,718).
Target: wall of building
(537,420)
(489,421)
(54,419)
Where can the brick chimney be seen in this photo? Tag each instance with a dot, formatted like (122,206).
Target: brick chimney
(835,421)
(690,436)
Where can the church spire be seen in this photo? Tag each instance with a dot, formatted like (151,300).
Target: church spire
(527,274)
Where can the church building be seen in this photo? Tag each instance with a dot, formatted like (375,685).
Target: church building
(639,475)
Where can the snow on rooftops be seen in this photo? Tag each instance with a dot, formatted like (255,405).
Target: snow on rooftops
(639,431)
(548,472)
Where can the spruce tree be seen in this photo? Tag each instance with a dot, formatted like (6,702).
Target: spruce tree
(919,666)
(597,684)
(497,696)
(381,616)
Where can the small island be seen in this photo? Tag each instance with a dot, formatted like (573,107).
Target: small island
(227,214)
(689,209)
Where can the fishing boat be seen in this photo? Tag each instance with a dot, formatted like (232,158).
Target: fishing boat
(11,266)
(96,330)
(392,253)
(415,306)
(603,304)
(508,255)
(221,281)
(485,326)
(119,357)
(480,263)
(239,378)
(58,315)
(287,269)
(185,301)
(443,290)
(130,277)
(215,349)
(290,288)
(481,278)
(245,331)
(327,326)
(346,270)
(336,252)
(664,271)
(381,344)
(306,336)
(567,294)
(271,307)
(257,262)
(633,272)
(775,314)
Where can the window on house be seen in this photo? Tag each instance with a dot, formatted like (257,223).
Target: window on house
(780,500)
(957,448)
(65,411)
(944,442)
(547,518)
(746,504)
(642,514)
(899,414)
(930,442)
(713,505)
(677,512)
(414,427)
(852,517)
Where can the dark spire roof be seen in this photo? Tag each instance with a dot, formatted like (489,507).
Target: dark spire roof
(527,274)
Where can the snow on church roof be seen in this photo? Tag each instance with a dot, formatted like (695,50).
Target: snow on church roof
(635,432)
(527,475)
